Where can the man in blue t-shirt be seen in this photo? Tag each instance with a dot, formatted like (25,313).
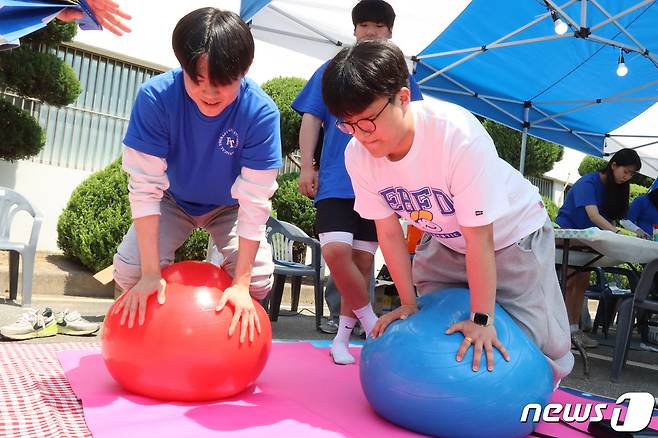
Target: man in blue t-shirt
(348,242)
(202,149)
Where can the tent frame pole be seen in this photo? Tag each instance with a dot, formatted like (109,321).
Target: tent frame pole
(524,136)
(305,25)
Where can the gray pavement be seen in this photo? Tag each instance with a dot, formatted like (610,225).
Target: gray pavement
(640,375)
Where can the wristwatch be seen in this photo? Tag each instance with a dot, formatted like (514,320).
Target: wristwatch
(483,319)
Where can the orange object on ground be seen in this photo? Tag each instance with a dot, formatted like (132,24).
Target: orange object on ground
(413,238)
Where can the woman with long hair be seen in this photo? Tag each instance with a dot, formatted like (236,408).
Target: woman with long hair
(598,199)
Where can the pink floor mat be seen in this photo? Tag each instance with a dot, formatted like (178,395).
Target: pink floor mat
(300,393)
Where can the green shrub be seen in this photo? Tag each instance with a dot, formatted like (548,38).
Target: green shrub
(591,164)
(195,247)
(636,190)
(283,91)
(34,71)
(291,206)
(20,134)
(540,155)
(42,76)
(551,208)
(97,217)
(54,33)
(642,180)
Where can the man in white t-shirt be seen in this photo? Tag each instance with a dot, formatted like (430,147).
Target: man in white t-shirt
(434,164)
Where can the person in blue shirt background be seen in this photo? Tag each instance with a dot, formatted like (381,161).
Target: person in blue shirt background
(597,199)
(348,242)
(643,213)
(202,149)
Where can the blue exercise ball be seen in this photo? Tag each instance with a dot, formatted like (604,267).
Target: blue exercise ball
(410,376)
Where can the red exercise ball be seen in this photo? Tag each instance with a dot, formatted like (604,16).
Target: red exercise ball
(183,351)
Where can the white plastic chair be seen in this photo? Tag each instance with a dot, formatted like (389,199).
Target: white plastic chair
(11,203)
(281,236)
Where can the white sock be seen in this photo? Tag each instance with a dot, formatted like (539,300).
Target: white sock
(367,317)
(573,328)
(340,346)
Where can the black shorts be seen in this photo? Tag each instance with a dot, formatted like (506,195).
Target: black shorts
(335,214)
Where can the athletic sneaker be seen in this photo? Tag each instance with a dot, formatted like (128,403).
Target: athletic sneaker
(329,326)
(31,324)
(70,322)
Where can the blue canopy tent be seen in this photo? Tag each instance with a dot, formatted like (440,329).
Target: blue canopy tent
(503,60)
(250,8)
(512,67)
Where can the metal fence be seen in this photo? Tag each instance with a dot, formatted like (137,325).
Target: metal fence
(544,185)
(290,165)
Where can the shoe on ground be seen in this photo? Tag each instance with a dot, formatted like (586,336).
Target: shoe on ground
(329,326)
(70,322)
(582,339)
(31,324)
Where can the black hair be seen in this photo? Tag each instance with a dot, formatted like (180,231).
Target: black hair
(377,11)
(222,36)
(616,196)
(357,75)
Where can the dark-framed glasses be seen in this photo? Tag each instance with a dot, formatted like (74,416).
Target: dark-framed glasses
(367,126)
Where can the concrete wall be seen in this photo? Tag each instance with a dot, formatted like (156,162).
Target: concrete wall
(48,188)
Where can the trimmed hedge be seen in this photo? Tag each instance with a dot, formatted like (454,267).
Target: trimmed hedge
(42,76)
(291,206)
(97,217)
(283,91)
(20,134)
(33,74)
(53,34)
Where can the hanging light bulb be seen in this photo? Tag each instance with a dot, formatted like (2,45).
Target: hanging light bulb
(622,70)
(560,26)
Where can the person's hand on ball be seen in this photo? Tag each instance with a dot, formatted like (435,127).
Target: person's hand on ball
(402,312)
(107,12)
(479,337)
(135,300)
(244,311)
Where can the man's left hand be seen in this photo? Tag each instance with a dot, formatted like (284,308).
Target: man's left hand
(479,337)
(244,311)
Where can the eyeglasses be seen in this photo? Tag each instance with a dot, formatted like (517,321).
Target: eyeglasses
(367,126)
